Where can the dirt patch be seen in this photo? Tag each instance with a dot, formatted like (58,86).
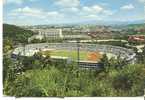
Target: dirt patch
(94,56)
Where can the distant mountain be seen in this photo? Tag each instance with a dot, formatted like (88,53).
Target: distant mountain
(136,26)
(113,22)
(16,33)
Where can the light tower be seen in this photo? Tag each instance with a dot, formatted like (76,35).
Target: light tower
(78,49)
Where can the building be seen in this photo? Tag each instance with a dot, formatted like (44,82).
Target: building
(52,33)
(46,33)
(136,38)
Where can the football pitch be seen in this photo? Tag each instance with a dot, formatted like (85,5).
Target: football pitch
(83,55)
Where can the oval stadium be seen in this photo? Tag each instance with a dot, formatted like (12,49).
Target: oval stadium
(65,50)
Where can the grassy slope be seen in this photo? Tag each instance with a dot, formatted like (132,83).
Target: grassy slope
(53,81)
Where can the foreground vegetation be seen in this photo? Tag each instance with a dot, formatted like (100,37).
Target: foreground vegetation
(40,76)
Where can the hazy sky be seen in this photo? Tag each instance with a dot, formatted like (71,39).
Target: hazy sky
(30,12)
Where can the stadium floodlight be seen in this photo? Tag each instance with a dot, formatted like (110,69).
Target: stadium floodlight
(78,51)
(24,49)
(78,47)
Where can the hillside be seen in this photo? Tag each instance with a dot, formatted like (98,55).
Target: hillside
(15,33)
(132,29)
(136,26)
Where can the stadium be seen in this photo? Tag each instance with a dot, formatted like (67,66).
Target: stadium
(89,53)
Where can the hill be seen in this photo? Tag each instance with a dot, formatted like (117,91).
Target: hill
(16,34)
(132,26)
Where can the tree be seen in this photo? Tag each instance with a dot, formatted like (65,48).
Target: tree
(6,63)
(123,82)
(23,87)
(16,34)
(105,63)
(141,56)
(28,62)
(8,44)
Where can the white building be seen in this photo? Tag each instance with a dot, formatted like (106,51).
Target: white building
(56,34)
(46,33)
(52,33)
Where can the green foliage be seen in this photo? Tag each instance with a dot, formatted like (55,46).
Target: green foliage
(130,81)
(114,43)
(7,44)
(16,34)
(11,68)
(133,26)
(23,86)
(7,62)
(122,82)
(71,81)
(131,29)
(38,41)
(141,56)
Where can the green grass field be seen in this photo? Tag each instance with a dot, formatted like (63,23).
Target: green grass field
(66,53)
(84,55)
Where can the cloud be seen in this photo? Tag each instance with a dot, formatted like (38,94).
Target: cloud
(127,7)
(97,10)
(27,11)
(34,13)
(142,1)
(17,1)
(109,12)
(72,10)
(92,12)
(93,17)
(64,14)
(28,15)
(93,9)
(67,3)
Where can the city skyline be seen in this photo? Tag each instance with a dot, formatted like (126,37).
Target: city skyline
(34,12)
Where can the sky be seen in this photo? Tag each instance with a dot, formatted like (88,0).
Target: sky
(36,12)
